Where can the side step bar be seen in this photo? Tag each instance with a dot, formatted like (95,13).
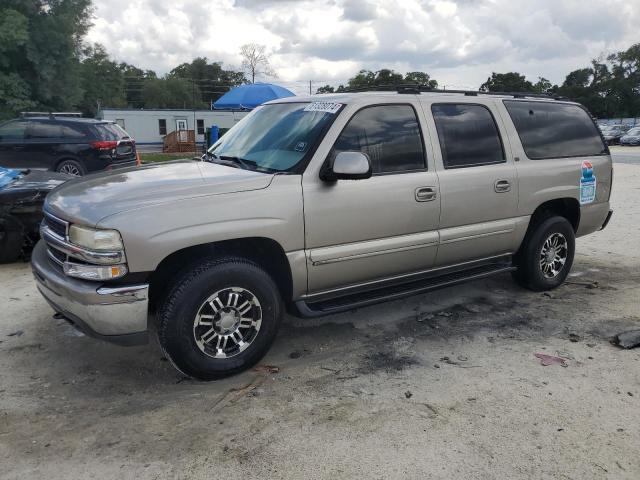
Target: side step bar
(394,292)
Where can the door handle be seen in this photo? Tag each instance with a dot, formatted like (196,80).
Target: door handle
(425,194)
(502,186)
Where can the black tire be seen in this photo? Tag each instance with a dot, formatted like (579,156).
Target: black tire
(529,273)
(187,297)
(11,242)
(68,166)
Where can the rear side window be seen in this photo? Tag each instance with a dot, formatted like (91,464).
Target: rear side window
(552,130)
(43,130)
(468,135)
(110,131)
(388,134)
(70,131)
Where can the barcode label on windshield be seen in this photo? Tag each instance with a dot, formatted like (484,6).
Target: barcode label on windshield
(329,107)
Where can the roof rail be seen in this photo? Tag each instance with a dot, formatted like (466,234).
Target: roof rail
(417,89)
(51,114)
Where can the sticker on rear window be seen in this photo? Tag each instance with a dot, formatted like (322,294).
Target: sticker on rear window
(329,107)
(587,183)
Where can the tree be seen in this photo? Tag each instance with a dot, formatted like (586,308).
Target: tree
(102,81)
(420,78)
(326,89)
(40,44)
(543,86)
(171,92)
(212,80)
(255,61)
(507,82)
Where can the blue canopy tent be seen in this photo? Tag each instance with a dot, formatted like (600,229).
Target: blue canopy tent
(246,97)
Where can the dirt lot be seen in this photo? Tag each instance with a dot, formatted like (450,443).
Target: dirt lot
(444,385)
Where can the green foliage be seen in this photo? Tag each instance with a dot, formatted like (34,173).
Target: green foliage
(102,81)
(39,45)
(171,92)
(507,82)
(211,80)
(326,89)
(384,77)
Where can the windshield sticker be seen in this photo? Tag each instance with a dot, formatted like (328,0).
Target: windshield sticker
(329,107)
(587,183)
(300,146)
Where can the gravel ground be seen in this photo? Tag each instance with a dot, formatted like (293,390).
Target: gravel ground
(443,385)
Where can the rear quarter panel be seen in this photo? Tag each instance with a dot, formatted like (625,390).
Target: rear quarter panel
(540,181)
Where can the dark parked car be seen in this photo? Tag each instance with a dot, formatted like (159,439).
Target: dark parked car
(21,197)
(65,144)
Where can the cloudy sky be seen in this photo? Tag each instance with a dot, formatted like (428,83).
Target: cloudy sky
(458,42)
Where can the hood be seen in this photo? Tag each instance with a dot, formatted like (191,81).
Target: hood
(89,199)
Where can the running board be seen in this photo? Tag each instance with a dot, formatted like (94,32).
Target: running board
(384,294)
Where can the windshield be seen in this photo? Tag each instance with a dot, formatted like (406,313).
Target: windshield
(274,138)
(634,132)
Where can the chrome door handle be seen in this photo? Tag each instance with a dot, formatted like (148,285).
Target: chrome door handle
(502,186)
(425,194)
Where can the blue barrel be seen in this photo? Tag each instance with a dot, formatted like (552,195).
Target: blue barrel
(214,135)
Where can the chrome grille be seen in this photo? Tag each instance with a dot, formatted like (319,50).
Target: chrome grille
(57,226)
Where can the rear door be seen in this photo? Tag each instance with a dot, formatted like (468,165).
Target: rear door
(478,183)
(12,138)
(360,231)
(44,144)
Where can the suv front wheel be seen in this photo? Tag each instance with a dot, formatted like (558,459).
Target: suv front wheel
(545,258)
(219,318)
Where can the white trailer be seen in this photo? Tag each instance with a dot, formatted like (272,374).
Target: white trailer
(148,127)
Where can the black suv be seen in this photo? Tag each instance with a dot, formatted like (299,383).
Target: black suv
(65,144)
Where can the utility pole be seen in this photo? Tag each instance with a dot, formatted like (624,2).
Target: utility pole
(310,87)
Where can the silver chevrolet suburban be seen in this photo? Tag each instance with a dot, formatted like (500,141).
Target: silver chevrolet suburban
(321,204)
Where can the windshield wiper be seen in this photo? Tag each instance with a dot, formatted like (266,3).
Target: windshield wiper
(246,164)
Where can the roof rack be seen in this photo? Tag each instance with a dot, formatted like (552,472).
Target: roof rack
(51,114)
(417,89)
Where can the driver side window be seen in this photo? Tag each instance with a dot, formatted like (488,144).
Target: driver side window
(388,134)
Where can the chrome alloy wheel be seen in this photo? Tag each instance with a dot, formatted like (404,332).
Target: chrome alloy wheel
(70,169)
(553,255)
(227,322)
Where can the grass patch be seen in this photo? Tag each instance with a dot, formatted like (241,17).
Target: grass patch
(153,157)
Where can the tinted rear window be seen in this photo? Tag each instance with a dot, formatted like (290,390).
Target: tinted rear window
(552,130)
(110,131)
(468,135)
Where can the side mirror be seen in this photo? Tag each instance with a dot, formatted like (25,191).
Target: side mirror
(348,166)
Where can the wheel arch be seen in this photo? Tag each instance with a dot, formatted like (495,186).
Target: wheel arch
(566,207)
(265,252)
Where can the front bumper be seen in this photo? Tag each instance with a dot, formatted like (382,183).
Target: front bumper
(115,314)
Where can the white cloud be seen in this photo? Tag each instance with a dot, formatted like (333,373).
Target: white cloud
(459,42)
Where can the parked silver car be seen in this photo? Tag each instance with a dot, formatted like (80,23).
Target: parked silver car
(321,204)
(632,137)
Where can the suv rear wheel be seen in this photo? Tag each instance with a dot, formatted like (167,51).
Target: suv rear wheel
(71,167)
(545,259)
(219,318)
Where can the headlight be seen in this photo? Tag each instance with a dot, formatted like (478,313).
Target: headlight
(94,272)
(95,239)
